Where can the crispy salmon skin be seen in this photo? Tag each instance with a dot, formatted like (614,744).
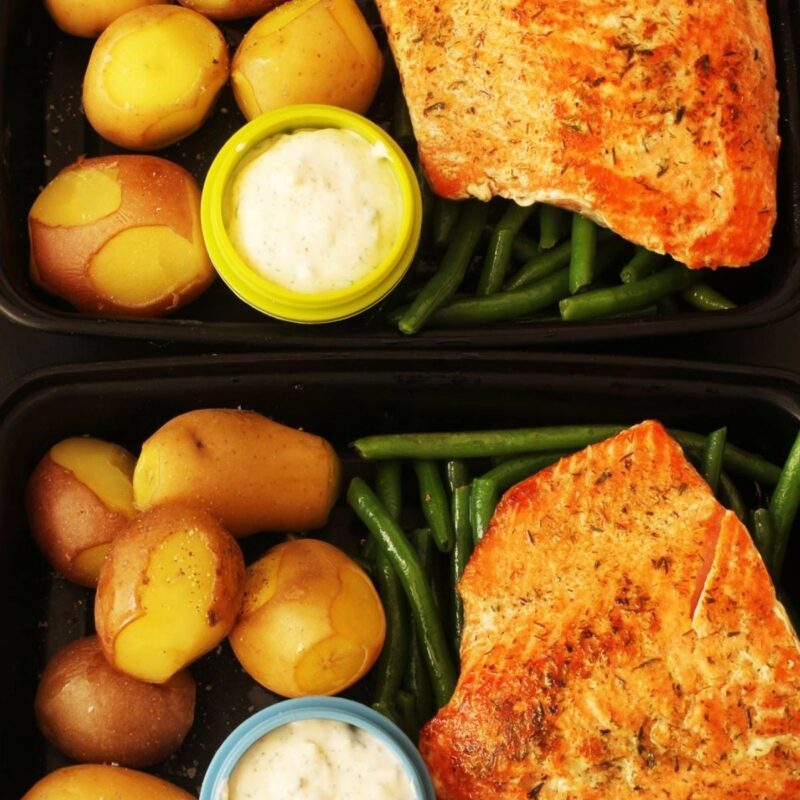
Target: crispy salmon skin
(622,641)
(657,119)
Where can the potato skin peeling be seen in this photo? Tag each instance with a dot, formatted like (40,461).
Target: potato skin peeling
(78,498)
(169,592)
(120,235)
(311,621)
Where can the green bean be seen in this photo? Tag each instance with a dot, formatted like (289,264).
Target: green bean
(525,248)
(392,662)
(504,305)
(444,283)
(602,302)
(406,563)
(417,681)
(584,252)
(462,549)
(484,444)
(433,500)
(547,263)
(551,223)
(764,536)
(712,457)
(498,255)
(386,710)
(540,266)
(644,262)
(487,489)
(446,214)
(457,474)
(402,129)
(407,712)
(738,461)
(388,487)
(706,298)
(783,506)
(730,497)
(524,441)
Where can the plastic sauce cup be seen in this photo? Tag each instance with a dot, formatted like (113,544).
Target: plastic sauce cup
(267,296)
(250,731)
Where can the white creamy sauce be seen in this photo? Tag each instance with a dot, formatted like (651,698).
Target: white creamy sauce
(319,759)
(315,210)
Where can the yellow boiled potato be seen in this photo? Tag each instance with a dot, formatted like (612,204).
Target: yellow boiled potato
(311,622)
(79,497)
(98,782)
(250,472)
(91,17)
(153,76)
(230,9)
(120,235)
(169,591)
(307,51)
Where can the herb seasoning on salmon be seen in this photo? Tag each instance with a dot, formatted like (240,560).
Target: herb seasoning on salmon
(622,640)
(657,119)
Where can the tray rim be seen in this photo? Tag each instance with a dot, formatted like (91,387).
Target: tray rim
(780,303)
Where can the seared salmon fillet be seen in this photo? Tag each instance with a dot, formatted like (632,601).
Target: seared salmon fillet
(622,641)
(657,119)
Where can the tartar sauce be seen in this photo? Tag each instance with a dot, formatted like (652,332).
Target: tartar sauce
(319,759)
(315,210)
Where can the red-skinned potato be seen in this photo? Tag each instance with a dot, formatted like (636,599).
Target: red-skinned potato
(78,498)
(169,591)
(92,713)
(230,9)
(311,621)
(100,782)
(89,18)
(153,76)
(120,235)
(250,472)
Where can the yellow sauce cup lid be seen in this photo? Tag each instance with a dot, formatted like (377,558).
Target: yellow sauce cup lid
(269,297)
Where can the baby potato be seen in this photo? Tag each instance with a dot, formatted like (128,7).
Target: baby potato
(91,712)
(307,51)
(120,235)
(97,782)
(153,76)
(78,498)
(91,17)
(311,622)
(250,472)
(169,592)
(230,9)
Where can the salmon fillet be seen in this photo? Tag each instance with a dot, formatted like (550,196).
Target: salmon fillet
(657,119)
(622,640)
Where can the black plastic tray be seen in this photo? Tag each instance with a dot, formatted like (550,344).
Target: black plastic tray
(333,397)
(43,130)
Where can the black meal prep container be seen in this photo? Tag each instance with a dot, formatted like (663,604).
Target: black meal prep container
(43,130)
(340,398)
